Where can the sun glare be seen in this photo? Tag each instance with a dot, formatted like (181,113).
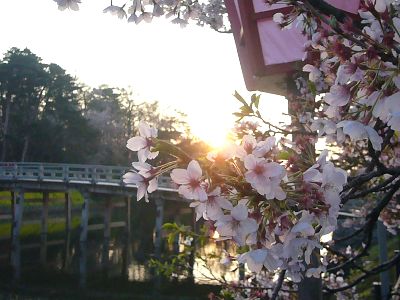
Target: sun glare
(211,127)
(214,137)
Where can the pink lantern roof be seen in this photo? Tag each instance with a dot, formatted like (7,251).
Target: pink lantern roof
(267,53)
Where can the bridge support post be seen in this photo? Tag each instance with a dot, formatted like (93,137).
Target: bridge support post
(84,217)
(12,206)
(68,228)
(177,220)
(107,235)
(44,228)
(127,250)
(107,218)
(126,257)
(67,253)
(194,244)
(128,216)
(17,213)
(158,227)
(83,240)
(82,264)
(158,240)
(68,215)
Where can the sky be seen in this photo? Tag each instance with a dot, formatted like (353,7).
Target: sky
(194,70)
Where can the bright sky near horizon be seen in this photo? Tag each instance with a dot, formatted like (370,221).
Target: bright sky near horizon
(194,70)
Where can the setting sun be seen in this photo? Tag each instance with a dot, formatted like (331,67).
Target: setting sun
(216,139)
(213,133)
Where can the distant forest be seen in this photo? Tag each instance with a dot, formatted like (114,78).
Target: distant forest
(49,116)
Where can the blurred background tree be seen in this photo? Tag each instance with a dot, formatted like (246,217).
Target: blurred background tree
(48,116)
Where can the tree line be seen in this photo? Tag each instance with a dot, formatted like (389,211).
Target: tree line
(47,115)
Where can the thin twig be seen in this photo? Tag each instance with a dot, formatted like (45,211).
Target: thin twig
(278,285)
(383,267)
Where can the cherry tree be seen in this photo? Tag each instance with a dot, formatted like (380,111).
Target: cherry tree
(181,12)
(267,192)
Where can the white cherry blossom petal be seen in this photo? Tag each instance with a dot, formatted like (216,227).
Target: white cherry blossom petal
(136,143)
(194,170)
(239,212)
(180,176)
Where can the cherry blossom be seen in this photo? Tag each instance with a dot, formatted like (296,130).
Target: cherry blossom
(144,185)
(289,201)
(339,95)
(247,146)
(382,5)
(250,145)
(189,180)
(143,143)
(348,73)
(259,258)
(388,110)
(227,152)
(314,73)
(68,4)
(116,11)
(323,127)
(358,131)
(332,177)
(212,208)
(226,260)
(145,169)
(265,176)
(236,225)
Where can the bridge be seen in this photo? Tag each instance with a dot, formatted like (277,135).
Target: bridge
(91,181)
(62,177)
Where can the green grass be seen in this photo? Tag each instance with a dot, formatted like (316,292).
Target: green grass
(34,229)
(33,199)
(33,204)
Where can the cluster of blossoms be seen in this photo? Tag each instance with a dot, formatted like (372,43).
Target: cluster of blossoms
(180,12)
(391,216)
(358,71)
(353,64)
(274,209)
(276,202)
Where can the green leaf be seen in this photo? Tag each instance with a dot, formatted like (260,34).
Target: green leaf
(284,155)
(240,98)
(246,110)
(171,238)
(333,22)
(170,226)
(312,87)
(255,100)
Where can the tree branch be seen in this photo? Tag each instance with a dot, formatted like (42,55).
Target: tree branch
(278,285)
(377,188)
(329,10)
(383,267)
(368,226)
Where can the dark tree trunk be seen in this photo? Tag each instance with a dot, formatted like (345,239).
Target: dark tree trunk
(5,126)
(25,148)
(309,288)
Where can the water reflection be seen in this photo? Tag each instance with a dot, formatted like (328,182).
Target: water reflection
(212,271)
(109,256)
(115,262)
(138,272)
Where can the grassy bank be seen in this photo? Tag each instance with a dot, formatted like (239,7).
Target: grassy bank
(31,230)
(35,199)
(33,211)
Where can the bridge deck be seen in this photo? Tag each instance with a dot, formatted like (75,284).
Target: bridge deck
(60,177)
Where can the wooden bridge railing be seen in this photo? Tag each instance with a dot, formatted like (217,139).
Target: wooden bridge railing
(69,173)
(20,178)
